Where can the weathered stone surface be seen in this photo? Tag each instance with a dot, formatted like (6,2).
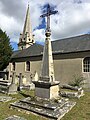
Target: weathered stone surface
(71,92)
(32,86)
(71,87)
(48,108)
(4,85)
(14,117)
(46,90)
(20,82)
(4,75)
(8,87)
(5,98)
(12,89)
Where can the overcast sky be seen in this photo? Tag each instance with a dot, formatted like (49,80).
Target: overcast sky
(73,18)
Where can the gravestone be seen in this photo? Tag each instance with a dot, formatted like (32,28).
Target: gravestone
(4,75)
(47,101)
(12,88)
(20,86)
(8,87)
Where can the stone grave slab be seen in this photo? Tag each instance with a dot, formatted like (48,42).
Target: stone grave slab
(71,92)
(5,98)
(14,117)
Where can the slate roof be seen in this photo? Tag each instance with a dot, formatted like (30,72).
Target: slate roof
(33,50)
(67,45)
(73,44)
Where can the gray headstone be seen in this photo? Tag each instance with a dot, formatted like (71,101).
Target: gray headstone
(13,87)
(20,81)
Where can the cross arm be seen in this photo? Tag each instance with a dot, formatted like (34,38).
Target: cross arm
(53,12)
(48,14)
(44,15)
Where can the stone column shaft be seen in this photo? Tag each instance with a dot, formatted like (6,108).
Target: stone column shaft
(47,72)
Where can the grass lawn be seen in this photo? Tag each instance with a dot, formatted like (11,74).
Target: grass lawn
(80,112)
(5,111)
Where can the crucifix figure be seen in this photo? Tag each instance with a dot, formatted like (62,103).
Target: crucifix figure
(49,12)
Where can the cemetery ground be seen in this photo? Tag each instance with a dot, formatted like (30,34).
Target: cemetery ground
(81,111)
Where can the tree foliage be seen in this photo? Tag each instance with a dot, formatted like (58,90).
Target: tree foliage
(5,50)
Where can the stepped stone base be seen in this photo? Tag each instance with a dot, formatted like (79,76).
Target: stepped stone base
(47,108)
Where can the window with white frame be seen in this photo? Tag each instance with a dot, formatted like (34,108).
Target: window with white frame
(27,66)
(86,64)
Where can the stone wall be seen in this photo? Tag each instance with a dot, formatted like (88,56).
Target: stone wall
(21,68)
(65,66)
(65,69)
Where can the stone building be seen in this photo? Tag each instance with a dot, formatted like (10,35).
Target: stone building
(71,57)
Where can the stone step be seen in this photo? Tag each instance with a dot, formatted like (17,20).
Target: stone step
(4,84)
(4,88)
(4,81)
(53,111)
(46,106)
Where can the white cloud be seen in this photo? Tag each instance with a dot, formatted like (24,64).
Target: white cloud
(72,19)
(39,35)
(10,25)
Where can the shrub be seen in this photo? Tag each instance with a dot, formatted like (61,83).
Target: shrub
(77,81)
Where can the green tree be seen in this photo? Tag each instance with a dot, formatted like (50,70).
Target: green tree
(5,50)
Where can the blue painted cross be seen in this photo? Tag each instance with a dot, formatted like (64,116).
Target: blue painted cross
(49,12)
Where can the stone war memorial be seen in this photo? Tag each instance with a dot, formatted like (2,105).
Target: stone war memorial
(47,101)
(47,83)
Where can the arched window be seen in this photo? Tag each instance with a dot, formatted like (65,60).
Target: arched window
(13,66)
(86,64)
(27,66)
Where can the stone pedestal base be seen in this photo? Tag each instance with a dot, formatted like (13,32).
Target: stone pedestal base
(46,90)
